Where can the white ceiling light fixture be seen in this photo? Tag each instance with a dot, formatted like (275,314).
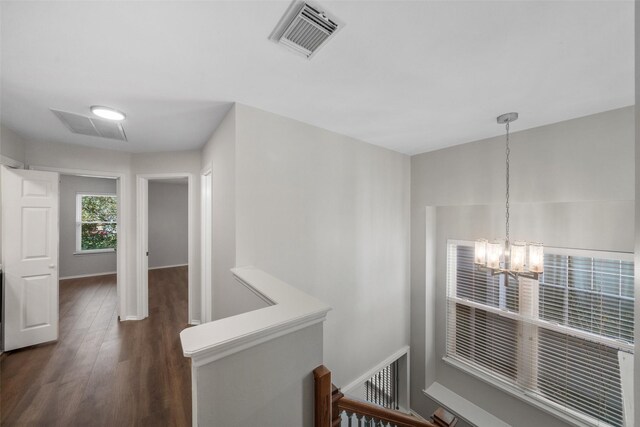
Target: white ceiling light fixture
(305,28)
(108,113)
(501,256)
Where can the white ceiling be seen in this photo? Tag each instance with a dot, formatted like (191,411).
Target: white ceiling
(410,76)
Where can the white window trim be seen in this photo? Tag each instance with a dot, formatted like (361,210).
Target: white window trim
(569,415)
(79,250)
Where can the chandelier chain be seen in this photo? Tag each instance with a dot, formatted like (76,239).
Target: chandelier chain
(507,193)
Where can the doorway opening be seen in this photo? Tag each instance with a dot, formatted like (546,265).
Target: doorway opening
(166,246)
(87,250)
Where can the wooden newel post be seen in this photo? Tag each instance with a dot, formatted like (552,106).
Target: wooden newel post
(322,377)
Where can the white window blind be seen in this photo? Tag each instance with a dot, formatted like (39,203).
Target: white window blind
(557,340)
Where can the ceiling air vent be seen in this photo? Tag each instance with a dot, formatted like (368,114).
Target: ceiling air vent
(91,126)
(305,28)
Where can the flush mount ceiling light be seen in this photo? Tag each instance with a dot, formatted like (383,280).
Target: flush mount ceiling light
(107,113)
(517,259)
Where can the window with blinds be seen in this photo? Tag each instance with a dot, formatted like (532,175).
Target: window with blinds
(558,340)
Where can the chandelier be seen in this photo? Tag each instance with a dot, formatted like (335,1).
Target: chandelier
(501,256)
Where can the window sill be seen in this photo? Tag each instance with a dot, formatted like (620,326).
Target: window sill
(463,408)
(567,415)
(95,251)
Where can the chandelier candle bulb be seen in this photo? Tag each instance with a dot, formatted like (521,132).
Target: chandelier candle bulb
(518,256)
(536,258)
(505,262)
(494,253)
(481,252)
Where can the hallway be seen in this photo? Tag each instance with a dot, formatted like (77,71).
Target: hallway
(102,372)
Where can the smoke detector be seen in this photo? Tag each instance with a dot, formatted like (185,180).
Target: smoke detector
(91,126)
(305,28)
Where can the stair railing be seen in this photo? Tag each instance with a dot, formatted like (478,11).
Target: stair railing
(331,404)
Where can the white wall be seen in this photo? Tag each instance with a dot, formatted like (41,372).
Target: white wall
(11,144)
(81,264)
(168,224)
(219,154)
(329,215)
(572,185)
(71,156)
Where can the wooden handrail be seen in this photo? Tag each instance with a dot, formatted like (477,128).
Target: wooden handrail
(330,402)
(367,409)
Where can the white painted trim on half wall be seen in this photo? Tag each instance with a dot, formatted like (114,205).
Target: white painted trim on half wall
(122,190)
(142,244)
(290,311)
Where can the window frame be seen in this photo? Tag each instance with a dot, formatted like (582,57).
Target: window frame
(79,222)
(495,379)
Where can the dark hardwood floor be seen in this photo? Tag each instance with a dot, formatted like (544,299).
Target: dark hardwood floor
(102,372)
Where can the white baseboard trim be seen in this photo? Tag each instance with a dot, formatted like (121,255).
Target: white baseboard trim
(364,377)
(168,266)
(80,276)
(194,322)
(132,318)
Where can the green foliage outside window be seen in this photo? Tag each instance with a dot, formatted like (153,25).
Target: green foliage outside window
(99,222)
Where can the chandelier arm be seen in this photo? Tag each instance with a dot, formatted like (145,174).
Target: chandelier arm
(514,274)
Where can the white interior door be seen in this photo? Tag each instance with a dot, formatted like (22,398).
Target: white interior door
(30,256)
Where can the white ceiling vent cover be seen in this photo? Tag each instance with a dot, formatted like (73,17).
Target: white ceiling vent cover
(305,28)
(91,126)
